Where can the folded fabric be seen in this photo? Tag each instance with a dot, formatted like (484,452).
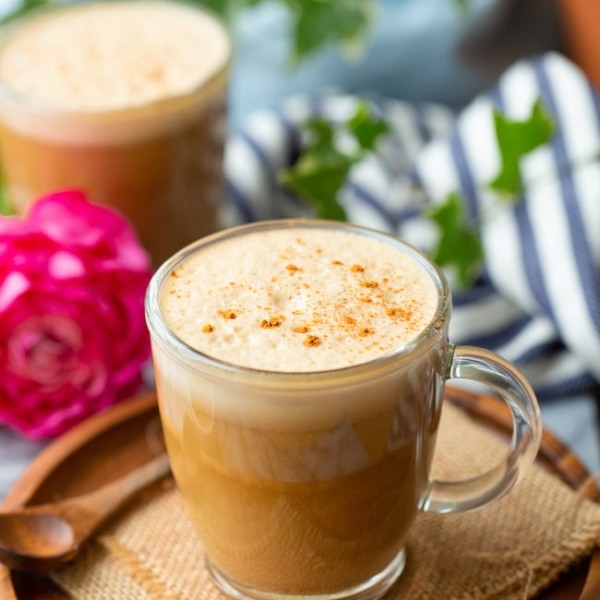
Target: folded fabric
(537,301)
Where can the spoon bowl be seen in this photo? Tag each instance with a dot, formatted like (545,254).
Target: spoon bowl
(42,538)
(47,540)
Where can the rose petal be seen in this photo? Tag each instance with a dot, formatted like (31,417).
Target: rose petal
(69,219)
(65,265)
(14,285)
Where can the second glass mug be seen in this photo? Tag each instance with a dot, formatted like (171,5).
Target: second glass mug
(306,484)
(157,160)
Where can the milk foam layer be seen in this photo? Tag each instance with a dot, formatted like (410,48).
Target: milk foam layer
(299,300)
(118,55)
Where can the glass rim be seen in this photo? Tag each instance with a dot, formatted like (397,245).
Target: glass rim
(177,102)
(194,359)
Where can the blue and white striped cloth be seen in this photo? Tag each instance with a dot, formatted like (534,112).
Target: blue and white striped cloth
(538,301)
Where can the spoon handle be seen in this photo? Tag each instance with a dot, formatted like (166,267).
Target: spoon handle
(87,512)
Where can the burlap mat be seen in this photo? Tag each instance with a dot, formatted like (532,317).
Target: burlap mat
(510,550)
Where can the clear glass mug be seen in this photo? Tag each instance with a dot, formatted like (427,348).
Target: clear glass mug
(306,484)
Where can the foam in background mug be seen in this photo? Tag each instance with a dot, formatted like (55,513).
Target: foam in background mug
(125,100)
(300,370)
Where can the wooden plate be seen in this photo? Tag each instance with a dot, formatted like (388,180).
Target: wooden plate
(116,441)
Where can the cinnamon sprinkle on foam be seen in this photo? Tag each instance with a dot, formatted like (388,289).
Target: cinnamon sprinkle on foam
(312,341)
(324,317)
(228,314)
(272,322)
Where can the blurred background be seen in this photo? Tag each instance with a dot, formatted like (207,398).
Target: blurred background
(417,50)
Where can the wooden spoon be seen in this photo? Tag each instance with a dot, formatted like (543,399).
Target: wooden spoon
(42,538)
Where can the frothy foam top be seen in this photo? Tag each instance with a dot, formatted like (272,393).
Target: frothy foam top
(100,57)
(298,300)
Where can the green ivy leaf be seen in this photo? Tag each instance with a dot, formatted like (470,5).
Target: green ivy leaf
(319,22)
(366,128)
(317,178)
(226,9)
(222,8)
(463,5)
(515,140)
(5,208)
(459,244)
(24,7)
(322,135)
(323,168)
(320,172)
(5,203)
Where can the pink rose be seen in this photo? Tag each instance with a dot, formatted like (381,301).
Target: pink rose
(72,335)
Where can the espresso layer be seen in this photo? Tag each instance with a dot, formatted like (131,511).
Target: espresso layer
(301,505)
(299,299)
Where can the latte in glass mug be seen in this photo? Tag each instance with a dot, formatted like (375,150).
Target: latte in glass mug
(300,368)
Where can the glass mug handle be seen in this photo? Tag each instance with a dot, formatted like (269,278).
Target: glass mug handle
(483,366)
